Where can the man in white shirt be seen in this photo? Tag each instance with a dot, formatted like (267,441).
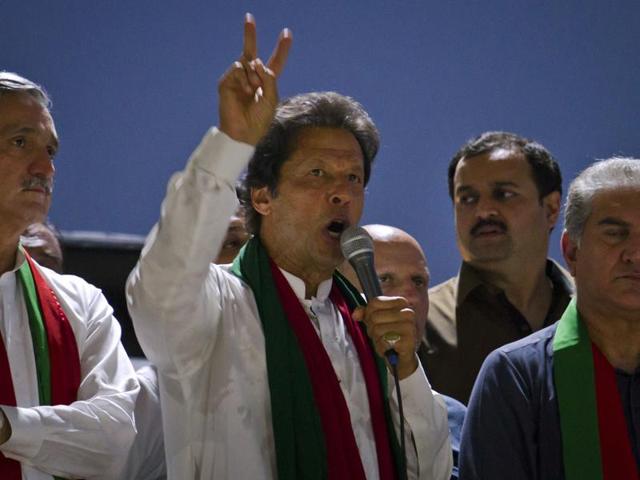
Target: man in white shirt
(67,387)
(266,371)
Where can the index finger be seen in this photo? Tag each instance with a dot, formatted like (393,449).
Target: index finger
(387,303)
(280,52)
(250,43)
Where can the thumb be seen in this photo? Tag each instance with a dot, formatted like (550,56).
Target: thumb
(358,314)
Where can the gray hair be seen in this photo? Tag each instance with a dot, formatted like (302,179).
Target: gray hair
(13,83)
(605,175)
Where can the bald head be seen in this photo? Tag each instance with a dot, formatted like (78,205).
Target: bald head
(401,267)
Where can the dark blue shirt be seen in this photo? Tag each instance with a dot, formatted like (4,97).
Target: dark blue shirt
(512,427)
(455,414)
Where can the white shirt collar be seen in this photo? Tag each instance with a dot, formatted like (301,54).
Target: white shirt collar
(298,287)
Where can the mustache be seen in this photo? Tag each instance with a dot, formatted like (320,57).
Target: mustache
(488,223)
(38,181)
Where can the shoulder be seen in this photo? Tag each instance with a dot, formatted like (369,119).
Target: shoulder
(441,318)
(525,362)
(73,289)
(444,290)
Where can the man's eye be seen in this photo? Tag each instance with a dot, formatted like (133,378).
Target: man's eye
(353,178)
(504,194)
(52,151)
(384,278)
(419,282)
(317,172)
(20,142)
(615,233)
(467,199)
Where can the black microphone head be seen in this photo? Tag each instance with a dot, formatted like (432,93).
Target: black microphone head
(355,241)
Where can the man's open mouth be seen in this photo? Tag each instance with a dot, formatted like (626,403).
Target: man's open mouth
(336,227)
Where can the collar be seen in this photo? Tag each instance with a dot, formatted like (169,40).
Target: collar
(20,259)
(298,287)
(470,278)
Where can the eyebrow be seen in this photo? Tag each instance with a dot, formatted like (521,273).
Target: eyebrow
(467,188)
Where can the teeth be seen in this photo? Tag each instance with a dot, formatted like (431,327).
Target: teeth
(335,229)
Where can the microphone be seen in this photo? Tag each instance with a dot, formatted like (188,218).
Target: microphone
(357,248)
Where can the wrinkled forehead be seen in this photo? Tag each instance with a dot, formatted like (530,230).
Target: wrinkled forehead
(21,109)
(502,164)
(621,202)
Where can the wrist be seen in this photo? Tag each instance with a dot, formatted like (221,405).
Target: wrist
(407,367)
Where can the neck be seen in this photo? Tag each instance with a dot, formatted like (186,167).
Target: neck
(526,286)
(311,275)
(617,335)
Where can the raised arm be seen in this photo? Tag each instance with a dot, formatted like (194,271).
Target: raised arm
(173,294)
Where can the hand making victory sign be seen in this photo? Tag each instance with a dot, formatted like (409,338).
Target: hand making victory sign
(248,91)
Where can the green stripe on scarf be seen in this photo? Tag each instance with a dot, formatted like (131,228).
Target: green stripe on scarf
(38,334)
(574,380)
(292,400)
(297,427)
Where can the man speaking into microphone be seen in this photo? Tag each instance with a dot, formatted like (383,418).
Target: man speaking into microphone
(266,370)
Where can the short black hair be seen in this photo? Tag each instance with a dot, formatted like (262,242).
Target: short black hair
(316,109)
(546,171)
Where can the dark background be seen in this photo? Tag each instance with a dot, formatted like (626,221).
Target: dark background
(134,89)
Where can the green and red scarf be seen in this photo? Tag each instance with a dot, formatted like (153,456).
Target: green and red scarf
(310,417)
(54,347)
(595,438)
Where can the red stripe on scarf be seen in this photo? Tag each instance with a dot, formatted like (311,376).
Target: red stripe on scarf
(9,468)
(615,446)
(343,456)
(64,361)
(374,389)
(64,358)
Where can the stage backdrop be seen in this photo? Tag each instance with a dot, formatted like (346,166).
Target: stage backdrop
(134,89)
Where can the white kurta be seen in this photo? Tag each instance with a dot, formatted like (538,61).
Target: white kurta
(90,438)
(199,325)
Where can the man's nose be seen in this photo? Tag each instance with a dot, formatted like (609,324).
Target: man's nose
(341,193)
(42,164)
(486,208)
(631,252)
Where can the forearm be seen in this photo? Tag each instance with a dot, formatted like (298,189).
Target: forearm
(87,439)
(168,294)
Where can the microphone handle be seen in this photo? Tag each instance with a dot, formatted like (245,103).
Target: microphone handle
(366,272)
(367,275)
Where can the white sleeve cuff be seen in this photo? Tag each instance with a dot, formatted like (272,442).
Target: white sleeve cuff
(220,155)
(26,432)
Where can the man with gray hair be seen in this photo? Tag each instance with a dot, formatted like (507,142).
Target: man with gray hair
(67,388)
(564,402)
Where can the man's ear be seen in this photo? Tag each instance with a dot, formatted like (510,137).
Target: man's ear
(261,200)
(569,252)
(552,207)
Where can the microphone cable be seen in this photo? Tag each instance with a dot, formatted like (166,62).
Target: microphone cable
(392,358)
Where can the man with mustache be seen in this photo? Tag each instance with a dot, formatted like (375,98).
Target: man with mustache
(268,369)
(67,388)
(563,403)
(506,193)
